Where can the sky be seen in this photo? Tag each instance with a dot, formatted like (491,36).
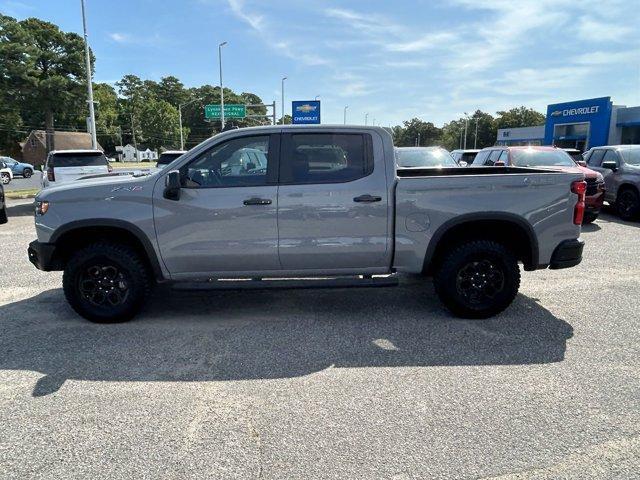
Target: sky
(394,60)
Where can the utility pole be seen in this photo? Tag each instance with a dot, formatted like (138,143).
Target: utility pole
(418,140)
(366,117)
(475,139)
(133,134)
(283,79)
(466,125)
(221,87)
(92,114)
(345,114)
(180,119)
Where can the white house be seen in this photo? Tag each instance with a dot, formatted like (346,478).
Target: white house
(129,154)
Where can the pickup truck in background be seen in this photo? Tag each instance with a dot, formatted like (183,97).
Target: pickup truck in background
(329,203)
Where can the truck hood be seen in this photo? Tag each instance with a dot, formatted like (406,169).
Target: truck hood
(102,183)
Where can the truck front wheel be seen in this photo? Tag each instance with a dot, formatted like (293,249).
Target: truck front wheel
(106,282)
(478,279)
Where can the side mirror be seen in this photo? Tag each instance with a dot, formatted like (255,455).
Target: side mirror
(499,163)
(582,163)
(462,163)
(611,165)
(172,185)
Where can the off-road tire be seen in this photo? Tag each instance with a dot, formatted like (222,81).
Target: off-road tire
(26,173)
(449,278)
(106,256)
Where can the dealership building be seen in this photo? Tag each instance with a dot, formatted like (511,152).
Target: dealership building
(581,124)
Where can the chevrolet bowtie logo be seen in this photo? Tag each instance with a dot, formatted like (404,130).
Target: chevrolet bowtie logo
(306,108)
(557,113)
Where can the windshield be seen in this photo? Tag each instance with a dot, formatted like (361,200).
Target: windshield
(424,157)
(167,158)
(89,159)
(631,155)
(528,157)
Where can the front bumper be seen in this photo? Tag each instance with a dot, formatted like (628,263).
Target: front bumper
(567,254)
(42,255)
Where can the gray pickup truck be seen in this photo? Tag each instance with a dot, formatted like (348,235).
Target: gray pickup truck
(325,205)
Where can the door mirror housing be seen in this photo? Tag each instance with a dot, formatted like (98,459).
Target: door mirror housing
(499,163)
(582,163)
(172,185)
(462,163)
(610,165)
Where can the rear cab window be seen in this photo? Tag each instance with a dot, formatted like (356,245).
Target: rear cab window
(595,158)
(325,158)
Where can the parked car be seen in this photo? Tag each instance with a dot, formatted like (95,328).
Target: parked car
(6,175)
(548,157)
(361,217)
(464,157)
(68,165)
(575,154)
(169,156)
(3,206)
(18,168)
(421,157)
(620,166)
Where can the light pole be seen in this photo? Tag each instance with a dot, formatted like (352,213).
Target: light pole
(180,120)
(475,139)
(92,114)
(283,79)
(221,88)
(466,125)
(345,114)
(366,118)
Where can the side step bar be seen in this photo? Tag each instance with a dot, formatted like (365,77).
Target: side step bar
(267,283)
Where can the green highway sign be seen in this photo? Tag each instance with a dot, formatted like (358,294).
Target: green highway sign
(230,111)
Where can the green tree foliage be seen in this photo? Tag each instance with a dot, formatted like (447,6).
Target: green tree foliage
(41,71)
(519,117)
(107,125)
(416,132)
(159,125)
(453,132)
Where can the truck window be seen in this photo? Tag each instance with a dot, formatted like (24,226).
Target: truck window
(493,157)
(77,159)
(325,158)
(504,157)
(610,156)
(480,157)
(238,162)
(595,159)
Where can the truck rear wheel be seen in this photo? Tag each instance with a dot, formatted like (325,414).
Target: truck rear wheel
(106,282)
(628,204)
(478,279)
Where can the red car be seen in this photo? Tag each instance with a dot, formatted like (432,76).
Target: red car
(547,157)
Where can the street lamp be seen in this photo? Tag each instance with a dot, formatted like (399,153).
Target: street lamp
(366,117)
(345,114)
(180,119)
(283,79)
(475,139)
(221,88)
(92,114)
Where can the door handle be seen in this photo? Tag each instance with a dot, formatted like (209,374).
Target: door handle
(257,201)
(367,199)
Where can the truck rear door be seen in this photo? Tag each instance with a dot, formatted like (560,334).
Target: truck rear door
(333,202)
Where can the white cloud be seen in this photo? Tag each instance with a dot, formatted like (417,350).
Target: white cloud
(120,37)
(601,31)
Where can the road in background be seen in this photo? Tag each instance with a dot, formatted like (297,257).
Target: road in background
(349,383)
(19,183)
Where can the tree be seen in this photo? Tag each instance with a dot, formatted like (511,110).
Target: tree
(159,125)
(107,126)
(519,117)
(287,120)
(171,90)
(43,71)
(416,132)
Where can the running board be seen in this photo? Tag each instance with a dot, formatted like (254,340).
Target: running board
(256,284)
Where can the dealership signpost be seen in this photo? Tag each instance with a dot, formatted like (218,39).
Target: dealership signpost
(305,112)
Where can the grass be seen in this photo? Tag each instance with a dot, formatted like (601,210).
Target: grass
(133,165)
(19,194)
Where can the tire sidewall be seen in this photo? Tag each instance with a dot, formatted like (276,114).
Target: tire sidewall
(26,173)
(635,211)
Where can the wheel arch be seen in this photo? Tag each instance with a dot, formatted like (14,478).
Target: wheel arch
(511,230)
(80,233)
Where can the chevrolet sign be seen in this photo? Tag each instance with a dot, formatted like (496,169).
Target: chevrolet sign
(305,112)
(570,112)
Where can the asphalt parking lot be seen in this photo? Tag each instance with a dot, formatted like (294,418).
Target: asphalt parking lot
(351,383)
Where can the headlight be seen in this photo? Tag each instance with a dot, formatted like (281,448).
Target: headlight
(42,207)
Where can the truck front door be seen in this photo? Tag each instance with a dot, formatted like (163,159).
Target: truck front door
(333,202)
(226,217)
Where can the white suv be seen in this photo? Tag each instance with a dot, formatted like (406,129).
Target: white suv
(6,175)
(68,165)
